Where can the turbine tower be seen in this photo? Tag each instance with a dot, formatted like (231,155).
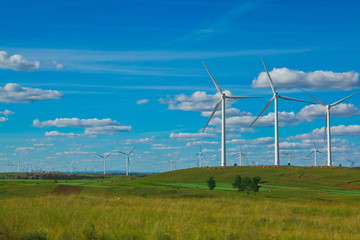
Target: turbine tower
(222,100)
(315,151)
(127,160)
(201,155)
(289,157)
(240,156)
(171,165)
(276,120)
(104,157)
(327,122)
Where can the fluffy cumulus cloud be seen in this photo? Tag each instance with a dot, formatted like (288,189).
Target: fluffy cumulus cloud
(199,101)
(141,140)
(142,101)
(311,112)
(14,93)
(191,136)
(17,62)
(201,143)
(160,146)
(91,126)
(6,112)
(61,134)
(287,78)
(341,130)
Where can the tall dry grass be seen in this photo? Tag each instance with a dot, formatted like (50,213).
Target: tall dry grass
(131,217)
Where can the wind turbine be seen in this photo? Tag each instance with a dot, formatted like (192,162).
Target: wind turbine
(240,155)
(222,100)
(156,167)
(8,165)
(104,157)
(171,165)
(315,151)
(18,165)
(276,120)
(352,162)
(201,155)
(289,157)
(127,160)
(327,122)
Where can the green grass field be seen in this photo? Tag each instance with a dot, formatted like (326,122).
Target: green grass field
(293,203)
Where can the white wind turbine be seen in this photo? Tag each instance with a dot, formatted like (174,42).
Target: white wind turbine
(127,160)
(240,156)
(201,155)
(276,120)
(315,151)
(222,100)
(327,122)
(289,157)
(104,157)
(171,165)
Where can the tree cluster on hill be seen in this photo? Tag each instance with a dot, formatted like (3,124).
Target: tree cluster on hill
(247,184)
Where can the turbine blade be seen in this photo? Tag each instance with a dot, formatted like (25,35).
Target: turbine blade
(216,107)
(196,155)
(108,155)
(237,97)
(236,154)
(271,82)
(216,85)
(121,152)
(100,155)
(310,154)
(132,150)
(319,101)
(266,106)
(314,144)
(319,151)
(336,103)
(294,99)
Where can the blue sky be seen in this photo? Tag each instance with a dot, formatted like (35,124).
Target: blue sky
(86,77)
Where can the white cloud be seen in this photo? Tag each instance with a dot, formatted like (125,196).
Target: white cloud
(60,134)
(91,126)
(6,112)
(287,78)
(141,140)
(21,149)
(14,93)
(341,130)
(142,101)
(3,119)
(17,62)
(191,136)
(75,152)
(201,143)
(159,146)
(311,112)
(199,101)
(57,65)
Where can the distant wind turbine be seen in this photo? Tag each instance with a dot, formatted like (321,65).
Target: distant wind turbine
(127,160)
(327,122)
(240,156)
(276,120)
(171,165)
(289,157)
(315,151)
(352,162)
(222,100)
(104,157)
(201,155)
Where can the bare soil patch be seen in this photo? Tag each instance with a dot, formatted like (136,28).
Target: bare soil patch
(67,189)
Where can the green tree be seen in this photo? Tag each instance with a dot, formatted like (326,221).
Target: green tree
(211,183)
(255,184)
(238,183)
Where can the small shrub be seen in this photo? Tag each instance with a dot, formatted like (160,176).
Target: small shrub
(211,183)
(247,184)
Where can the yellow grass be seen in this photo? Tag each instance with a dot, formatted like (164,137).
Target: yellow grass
(131,217)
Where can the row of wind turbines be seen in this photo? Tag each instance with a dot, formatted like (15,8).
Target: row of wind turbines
(274,99)
(127,168)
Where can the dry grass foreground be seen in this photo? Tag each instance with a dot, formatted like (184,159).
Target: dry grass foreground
(134,217)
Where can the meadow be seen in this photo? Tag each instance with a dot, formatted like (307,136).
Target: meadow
(293,203)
